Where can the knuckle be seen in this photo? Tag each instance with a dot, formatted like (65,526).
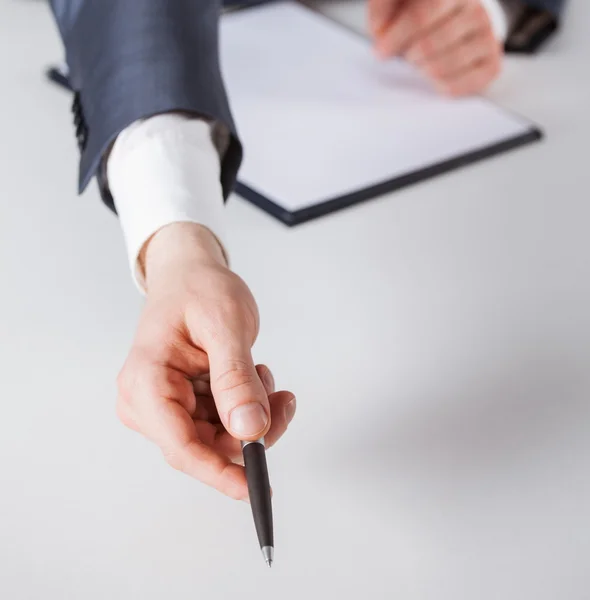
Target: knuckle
(230,305)
(236,373)
(143,379)
(479,11)
(124,404)
(124,414)
(491,40)
(424,47)
(414,55)
(445,37)
(438,69)
(129,374)
(421,15)
(160,382)
(433,71)
(176,455)
(123,381)
(495,68)
(443,7)
(489,71)
(230,317)
(174,460)
(228,482)
(125,388)
(478,85)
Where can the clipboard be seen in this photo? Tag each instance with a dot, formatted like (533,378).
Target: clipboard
(326,125)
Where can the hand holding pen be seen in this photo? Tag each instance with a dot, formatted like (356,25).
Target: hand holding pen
(190,384)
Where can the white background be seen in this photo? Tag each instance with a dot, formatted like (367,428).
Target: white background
(438,340)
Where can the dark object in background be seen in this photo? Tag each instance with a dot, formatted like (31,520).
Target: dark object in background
(531,30)
(59,75)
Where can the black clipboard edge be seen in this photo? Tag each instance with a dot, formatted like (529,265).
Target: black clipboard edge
(272,208)
(329,206)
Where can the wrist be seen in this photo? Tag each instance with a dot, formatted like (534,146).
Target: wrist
(178,247)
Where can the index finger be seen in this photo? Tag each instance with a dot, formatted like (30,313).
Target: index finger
(186,452)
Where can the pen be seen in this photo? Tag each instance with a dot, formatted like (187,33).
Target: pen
(259,492)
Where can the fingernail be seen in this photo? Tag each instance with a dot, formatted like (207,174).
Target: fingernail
(248,420)
(290,410)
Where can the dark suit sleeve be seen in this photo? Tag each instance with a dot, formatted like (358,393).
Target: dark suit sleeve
(536,23)
(130,59)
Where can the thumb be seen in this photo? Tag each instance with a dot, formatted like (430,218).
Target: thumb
(240,397)
(381,13)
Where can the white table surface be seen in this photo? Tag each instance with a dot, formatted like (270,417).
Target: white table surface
(438,340)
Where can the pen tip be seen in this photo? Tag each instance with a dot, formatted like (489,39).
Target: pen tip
(268,553)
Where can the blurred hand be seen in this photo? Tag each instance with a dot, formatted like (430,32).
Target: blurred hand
(451,41)
(189,383)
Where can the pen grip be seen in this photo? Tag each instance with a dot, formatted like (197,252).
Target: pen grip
(259,492)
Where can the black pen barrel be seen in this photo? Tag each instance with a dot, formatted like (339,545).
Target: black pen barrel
(259,492)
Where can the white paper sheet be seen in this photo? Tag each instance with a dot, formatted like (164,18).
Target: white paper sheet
(321,117)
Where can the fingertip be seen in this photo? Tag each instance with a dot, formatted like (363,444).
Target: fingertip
(290,409)
(267,378)
(249,421)
(233,482)
(283,411)
(281,398)
(240,397)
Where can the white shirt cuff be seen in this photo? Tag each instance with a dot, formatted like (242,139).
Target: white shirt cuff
(162,170)
(498,16)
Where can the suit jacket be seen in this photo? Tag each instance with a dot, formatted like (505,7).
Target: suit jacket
(553,6)
(130,59)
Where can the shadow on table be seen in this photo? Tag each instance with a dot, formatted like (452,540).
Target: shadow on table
(490,425)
